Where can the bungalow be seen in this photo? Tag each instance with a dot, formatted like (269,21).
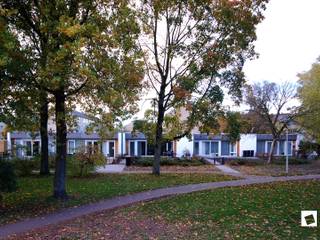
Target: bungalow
(207,146)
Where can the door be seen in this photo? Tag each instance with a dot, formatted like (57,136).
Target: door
(35,148)
(132,149)
(141,148)
(111,149)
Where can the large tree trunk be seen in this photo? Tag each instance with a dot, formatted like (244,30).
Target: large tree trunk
(158,140)
(157,152)
(44,164)
(61,155)
(271,150)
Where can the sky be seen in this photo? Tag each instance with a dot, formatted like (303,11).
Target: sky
(288,42)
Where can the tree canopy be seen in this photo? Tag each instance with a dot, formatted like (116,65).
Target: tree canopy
(82,52)
(271,103)
(194,49)
(309,94)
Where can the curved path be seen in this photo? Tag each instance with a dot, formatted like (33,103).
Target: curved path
(71,213)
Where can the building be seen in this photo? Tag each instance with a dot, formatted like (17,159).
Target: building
(27,144)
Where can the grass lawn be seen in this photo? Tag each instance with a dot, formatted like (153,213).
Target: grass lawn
(313,167)
(34,194)
(268,211)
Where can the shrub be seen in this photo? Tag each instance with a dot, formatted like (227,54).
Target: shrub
(306,148)
(8,179)
(24,167)
(245,162)
(83,163)
(168,161)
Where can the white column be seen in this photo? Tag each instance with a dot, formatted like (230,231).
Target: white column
(123,143)
(9,147)
(119,135)
(136,148)
(219,148)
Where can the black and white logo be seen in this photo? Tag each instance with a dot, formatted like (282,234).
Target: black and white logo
(309,218)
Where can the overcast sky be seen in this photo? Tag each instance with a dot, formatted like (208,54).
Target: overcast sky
(288,41)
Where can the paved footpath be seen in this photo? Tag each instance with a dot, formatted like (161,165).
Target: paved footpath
(54,218)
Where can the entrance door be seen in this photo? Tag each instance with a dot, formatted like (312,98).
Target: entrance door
(111,149)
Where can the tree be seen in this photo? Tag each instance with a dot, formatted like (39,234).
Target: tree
(234,125)
(85,53)
(309,95)
(270,101)
(18,97)
(193,49)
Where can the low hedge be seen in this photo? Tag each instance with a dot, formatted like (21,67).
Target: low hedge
(245,161)
(168,161)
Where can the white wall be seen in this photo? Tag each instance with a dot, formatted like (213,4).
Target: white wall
(248,142)
(121,143)
(184,144)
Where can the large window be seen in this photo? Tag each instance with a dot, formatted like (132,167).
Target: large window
(268,148)
(92,146)
(233,149)
(138,148)
(28,151)
(31,148)
(142,148)
(290,148)
(206,148)
(71,146)
(196,148)
(131,150)
(214,148)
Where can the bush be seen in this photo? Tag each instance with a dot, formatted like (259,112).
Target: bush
(83,163)
(306,148)
(245,162)
(168,161)
(8,179)
(24,167)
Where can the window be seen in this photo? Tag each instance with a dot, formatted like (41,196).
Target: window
(196,148)
(92,146)
(142,148)
(233,151)
(28,148)
(290,148)
(111,149)
(206,148)
(169,146)
(275,149)
(225,148)
(71,146)
(131,150)
(35,148)
(31,148)
(282,150)
(214,148)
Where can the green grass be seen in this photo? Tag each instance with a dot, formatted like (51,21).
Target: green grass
(34,193)
(269,211)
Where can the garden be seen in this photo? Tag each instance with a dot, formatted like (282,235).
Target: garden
(25,193)
(171,164)
(268,211)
